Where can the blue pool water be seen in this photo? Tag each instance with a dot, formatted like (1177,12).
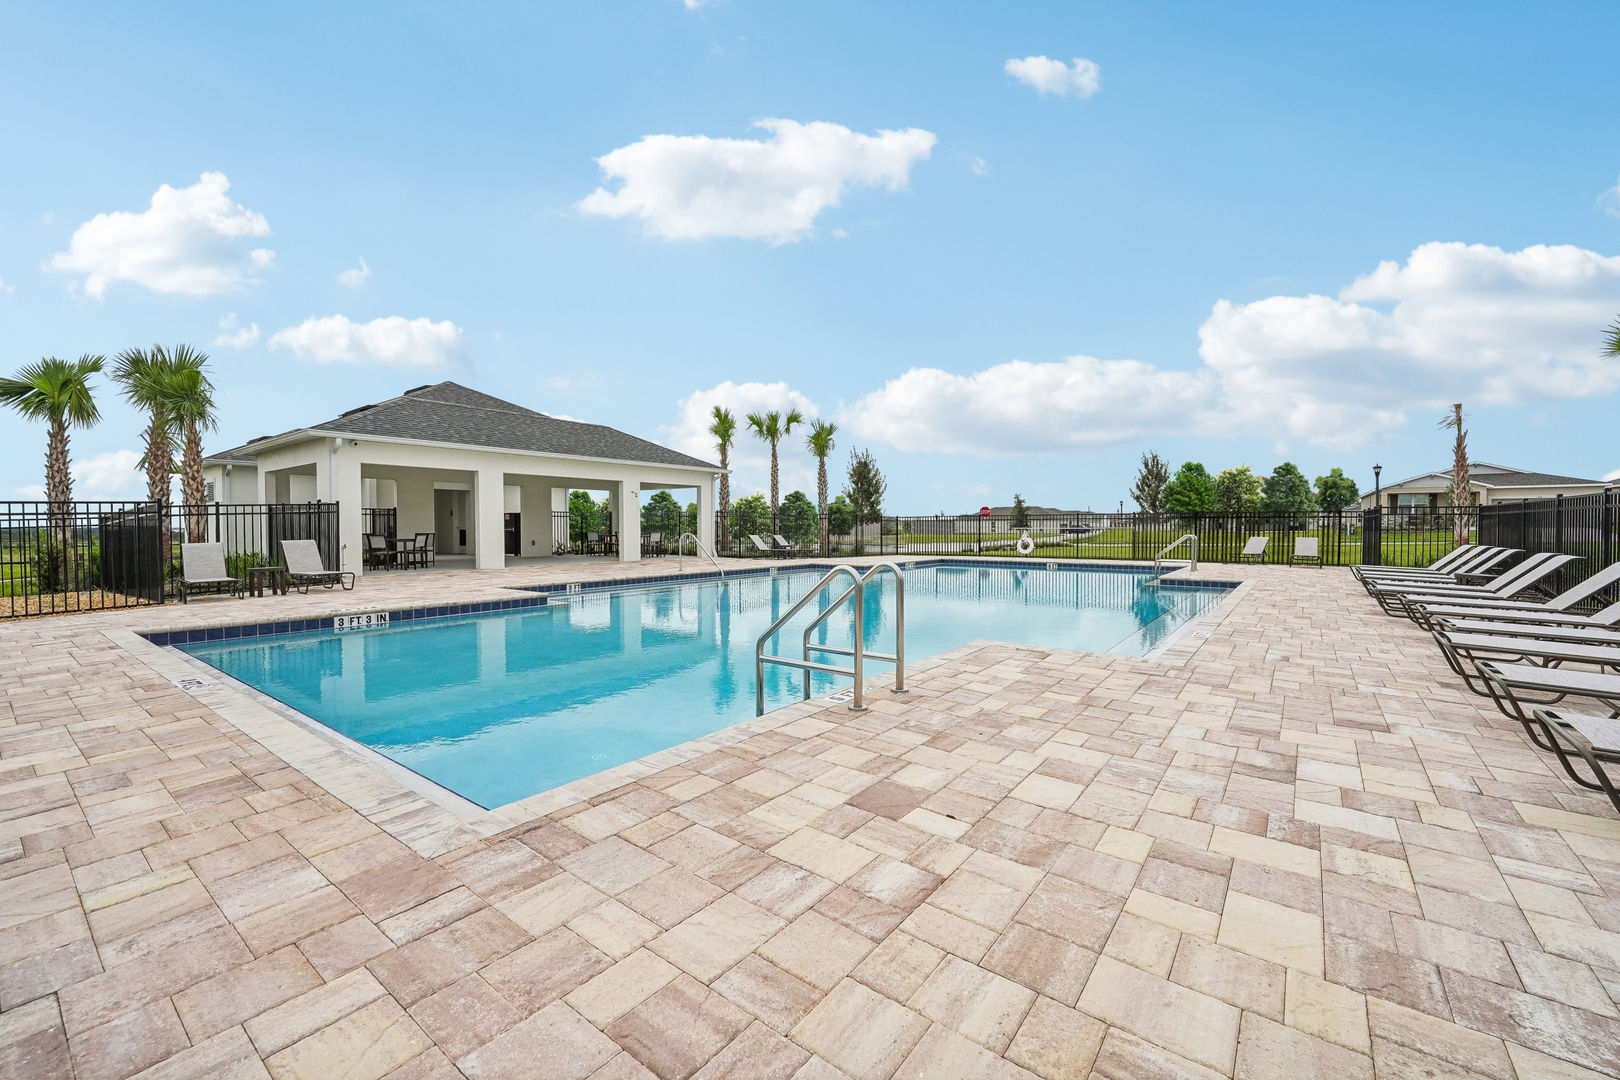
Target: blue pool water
(501,706)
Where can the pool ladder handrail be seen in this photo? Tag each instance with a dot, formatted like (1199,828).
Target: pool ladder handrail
(898,658)
(1158,560)
(856,670)
(680,552)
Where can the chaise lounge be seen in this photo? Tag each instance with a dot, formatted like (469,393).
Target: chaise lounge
(304,567)
(202,569)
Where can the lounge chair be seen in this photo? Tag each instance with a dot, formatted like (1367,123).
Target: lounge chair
(761,547)
(1562,604)
(1591,635)
(785,546)
(1517,688)
(1594,739)
(1477,565)
(1401,599)
(202,568)
(1464,651)
(304,567)
(1254,549)
(1307,549)
(1443,565)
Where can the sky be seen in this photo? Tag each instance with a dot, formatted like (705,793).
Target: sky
(1007,248)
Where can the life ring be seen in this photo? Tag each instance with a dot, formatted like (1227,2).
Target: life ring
(1025,544)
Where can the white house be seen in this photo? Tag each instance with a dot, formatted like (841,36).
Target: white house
(481,474)
(1487,484)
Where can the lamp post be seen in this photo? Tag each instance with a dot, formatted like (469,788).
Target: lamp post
(1378,471)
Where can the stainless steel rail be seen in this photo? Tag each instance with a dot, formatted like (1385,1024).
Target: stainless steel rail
(898,658)
(1158,560)
(761,658)
(680,552)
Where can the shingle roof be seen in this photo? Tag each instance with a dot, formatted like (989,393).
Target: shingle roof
(1499,476)
(448,412)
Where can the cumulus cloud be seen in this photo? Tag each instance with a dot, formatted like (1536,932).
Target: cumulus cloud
(750,458)
(355,277)
(235,336)
(693,187)
(392,342)
(1023,408)
(1610,201)
(189,242)
(113,475)
(1455,322)
(1080,78)
(569,382)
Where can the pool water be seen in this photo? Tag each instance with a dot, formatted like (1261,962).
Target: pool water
(502,706)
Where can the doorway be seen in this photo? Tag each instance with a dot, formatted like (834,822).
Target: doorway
(451,520)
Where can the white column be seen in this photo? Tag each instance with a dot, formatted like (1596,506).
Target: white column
(625,496)
(489,504)
(705,513)
(346,492)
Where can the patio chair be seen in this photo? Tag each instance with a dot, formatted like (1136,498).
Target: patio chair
(593,543)
(1477,563)
(1254,549)
(202,568)
(1464,651)
(1518,688)
(1307,549)
(423,551)
(376,552)
(784,545)
(1590,634)
(652,544)
(1594,739)
(1563,603)
(1443,565)
(1401,599)
(305,568)
(760,546)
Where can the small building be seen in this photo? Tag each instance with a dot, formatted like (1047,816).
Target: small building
(485,477)
(1487,484)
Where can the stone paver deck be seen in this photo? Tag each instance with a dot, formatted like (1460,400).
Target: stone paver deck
(1305,851)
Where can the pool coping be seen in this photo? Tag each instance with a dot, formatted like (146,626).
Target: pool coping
(433,819)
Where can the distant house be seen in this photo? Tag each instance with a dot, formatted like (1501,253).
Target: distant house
(484,476)
(1487,484)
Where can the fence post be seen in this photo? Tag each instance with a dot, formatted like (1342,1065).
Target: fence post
(1608,527)
(1558,523)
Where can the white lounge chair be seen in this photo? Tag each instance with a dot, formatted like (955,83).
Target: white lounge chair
(784,545)
(1307,549)
(761,547)
(1254,549)
(304,567)
(202,568)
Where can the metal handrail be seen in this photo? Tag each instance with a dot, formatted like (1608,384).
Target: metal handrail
(680,552)
(898,659)
(1158,560)
(761,658)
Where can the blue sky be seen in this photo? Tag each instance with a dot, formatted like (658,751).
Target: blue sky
(1228,234)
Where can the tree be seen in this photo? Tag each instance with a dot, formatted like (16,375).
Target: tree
(1611,341)
(772,427)
(1020,512)
(1148,491)
(191,411)
(865,487)
(1237,489)
(724,429)
(1460,498)
(820,442)
(751,515)
(145,376)
(1191,491)
(800,522)
(662,514)
(689,521)
(1286,493)
(840,517)
(57,392)
(1335,491)
(584,516)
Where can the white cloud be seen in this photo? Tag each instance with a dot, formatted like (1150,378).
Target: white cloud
(569,382)
(113,475)
(356,277)
(1021,408)
(4,288)
(1610,201)
(750,458)
(393,341)
(234,335)
(187,243)
(1455,322)
(693,187)
(1081,78)
(1609,476)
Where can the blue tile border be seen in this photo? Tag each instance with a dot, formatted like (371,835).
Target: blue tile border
(542,594)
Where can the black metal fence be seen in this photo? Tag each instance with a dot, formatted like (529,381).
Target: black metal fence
(379,521)
(1587,526)
(79,556)
(252,532)
(576,532)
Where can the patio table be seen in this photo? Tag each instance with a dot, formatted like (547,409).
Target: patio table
(273,576)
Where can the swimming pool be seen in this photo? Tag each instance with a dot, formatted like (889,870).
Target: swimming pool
(497,707)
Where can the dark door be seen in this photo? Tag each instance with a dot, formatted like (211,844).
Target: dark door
(514,534)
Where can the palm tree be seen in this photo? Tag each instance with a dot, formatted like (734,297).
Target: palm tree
(820,442)
(143,376)
(190,398)
(773,427)
(724,430)
(1611,341)
(1460,499)
(57,392)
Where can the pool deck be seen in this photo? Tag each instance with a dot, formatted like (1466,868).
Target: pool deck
(1291,846)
